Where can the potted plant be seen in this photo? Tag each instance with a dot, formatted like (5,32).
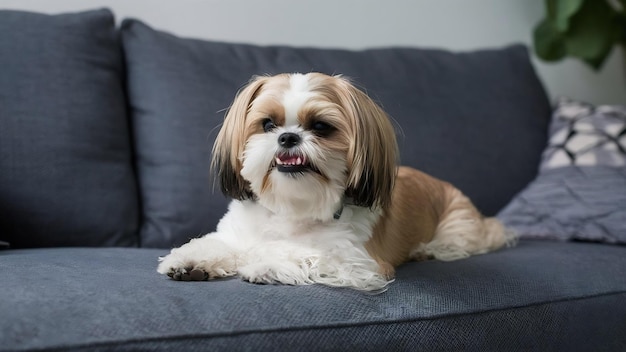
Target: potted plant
(585,29)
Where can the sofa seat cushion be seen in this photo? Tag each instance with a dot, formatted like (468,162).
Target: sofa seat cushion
(538,295)
(66,174)
(462,117)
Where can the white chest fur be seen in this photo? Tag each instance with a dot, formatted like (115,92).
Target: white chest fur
(263,247)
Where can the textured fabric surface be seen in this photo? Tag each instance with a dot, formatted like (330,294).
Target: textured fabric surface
(572,203)
(580,192)
(461,116)
(582,134)
(65,159)
(538,295)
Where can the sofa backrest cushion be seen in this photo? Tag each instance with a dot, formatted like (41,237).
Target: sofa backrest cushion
(476,119)
(66,175)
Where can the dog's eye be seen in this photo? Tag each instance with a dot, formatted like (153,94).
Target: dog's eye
(321,127)
(268,125)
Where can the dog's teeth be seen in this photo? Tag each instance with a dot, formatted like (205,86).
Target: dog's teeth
(291,161)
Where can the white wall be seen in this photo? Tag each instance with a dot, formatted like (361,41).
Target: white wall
(451,24)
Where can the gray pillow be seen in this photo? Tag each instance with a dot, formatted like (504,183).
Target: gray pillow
(580,193)
(462,116)
(66,177)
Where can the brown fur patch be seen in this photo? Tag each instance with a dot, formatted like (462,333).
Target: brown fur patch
(417,203)
(372,149)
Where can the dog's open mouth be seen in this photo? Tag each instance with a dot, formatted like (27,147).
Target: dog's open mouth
(290,163)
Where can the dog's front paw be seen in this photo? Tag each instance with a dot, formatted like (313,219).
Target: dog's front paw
(258,274)
(269,273)
(204,270)
(187,274)
(198,261)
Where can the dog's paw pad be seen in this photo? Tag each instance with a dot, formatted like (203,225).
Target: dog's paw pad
(198,275)
(188,274)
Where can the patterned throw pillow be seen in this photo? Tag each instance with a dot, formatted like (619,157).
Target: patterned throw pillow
(584,135)
(580,192)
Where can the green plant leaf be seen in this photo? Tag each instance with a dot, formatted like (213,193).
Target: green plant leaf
(595,63)
(548,42)
(592,32)
(560,12)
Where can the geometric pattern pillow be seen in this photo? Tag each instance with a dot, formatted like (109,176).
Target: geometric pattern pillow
(580,192)
(584,135)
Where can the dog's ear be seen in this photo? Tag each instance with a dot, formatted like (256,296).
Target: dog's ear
(373,152)
(230,143)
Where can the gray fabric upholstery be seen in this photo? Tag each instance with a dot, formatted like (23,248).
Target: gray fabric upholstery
(461,116)
(526,298)
(66,177)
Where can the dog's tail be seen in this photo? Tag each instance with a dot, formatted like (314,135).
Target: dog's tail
(498,234)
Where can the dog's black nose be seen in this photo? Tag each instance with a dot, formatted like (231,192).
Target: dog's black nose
(288,140)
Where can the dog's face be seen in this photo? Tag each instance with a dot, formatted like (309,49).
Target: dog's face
(299,144)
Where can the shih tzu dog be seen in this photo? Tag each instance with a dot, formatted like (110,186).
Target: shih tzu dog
(310,162)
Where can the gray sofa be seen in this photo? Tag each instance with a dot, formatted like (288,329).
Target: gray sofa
(105,138)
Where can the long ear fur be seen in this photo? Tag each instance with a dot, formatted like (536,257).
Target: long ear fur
(374,154)
(230,143)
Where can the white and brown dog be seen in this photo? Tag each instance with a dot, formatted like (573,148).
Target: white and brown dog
(310,162)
